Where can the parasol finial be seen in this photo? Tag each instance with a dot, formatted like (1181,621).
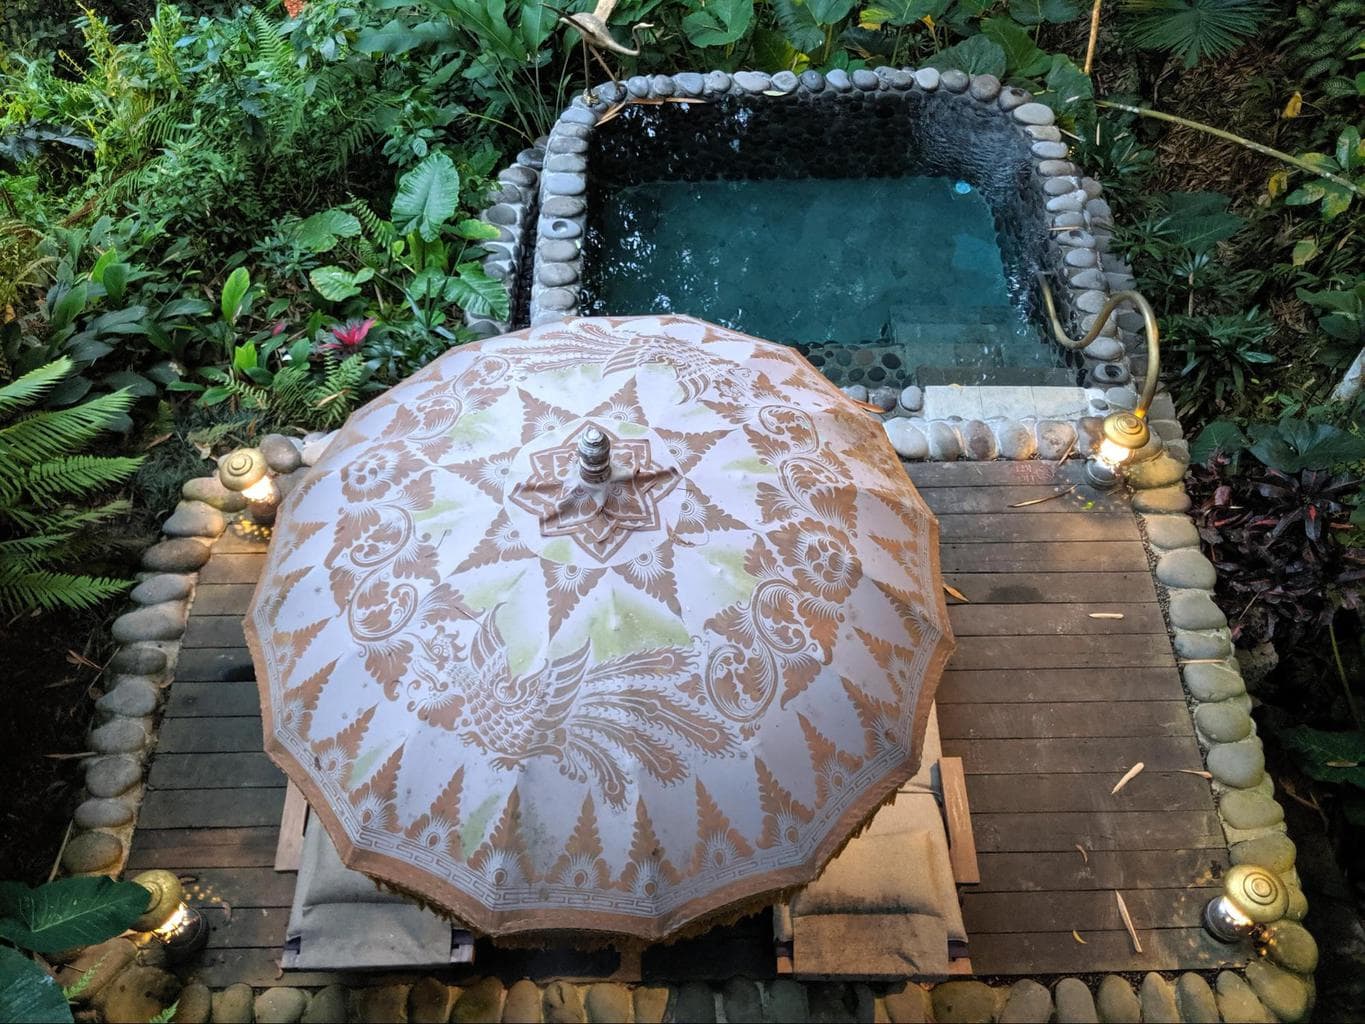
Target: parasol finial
(594,456)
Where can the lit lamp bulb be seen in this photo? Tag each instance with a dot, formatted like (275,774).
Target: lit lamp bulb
(1123,434)
(181,928)
(1251,897)
(245,471)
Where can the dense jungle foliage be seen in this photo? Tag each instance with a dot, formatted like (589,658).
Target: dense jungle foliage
(218,219)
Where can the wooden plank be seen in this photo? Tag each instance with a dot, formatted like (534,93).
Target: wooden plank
(1071,754)
(1036,953)
(213,700)
(242,770)
(993,474)
(222,598)
(211,808)
(951,500)
(1095,910)
(1057,619)
(214,631)
(1045,556)
(187,848)
(243,887)
(246,927)
(242,538)
(1068,871)
(1013,686)
(211,664)
(1049,587)
(1052,721)
(232,568)
(1078,791)
(293,818)
(1013,527)
(260,968)
(1139,650)
(210,735)
(1121,830)
(961,836)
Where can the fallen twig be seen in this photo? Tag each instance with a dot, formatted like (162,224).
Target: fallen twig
(1048,497)
(1128,922)
(1106,615)
(1128,777)
(1195,771)
(1081,850)
(956,594)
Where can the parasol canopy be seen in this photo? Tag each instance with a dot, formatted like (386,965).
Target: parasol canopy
(609,625)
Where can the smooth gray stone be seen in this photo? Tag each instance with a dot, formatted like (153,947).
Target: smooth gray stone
(1072,202)
(1075,1004)
(954,80)
(661,85)
(503,214)
(813,81)
(517,175)
(559,251)
(907,439)
(838,80)
(742,1001)
(572,162)
(1240,764)
(565,183)
(1055,438)
(562,206)
(752,81)
(162,587)
(236,1005)
(557,228)
(984,88)
(1290,945)
(1015,442)
(1076,238)
(928,79)
(1274,852)
(912,398)
(857,392)
(1080,258)
(558,299)
(165,621)
(1186,567)
(978,441)
(534,156)
(194,519)
(112,776)
(1195,999)
(134,697)
(1197,646)
(901,79)
(1237,1002)
(1011,98)
(692,1000)
(1158,1000)
(1059,186)
(563,144)
(119,736)
(883,397)
(1043,132)
(1247,809)
(1051,150)
(281,1006)
(578,115)
(281,453)
(101,812)
(1162,499)
(1034,114)
(638,86)
(1223,722)
(1116,1002)
(689,83)
(91,851)
(866,80)
(557,274)
(717,82)
(1027,1003)
(1105,349)
(944,445)
(609,93)
(210,490)
(785,81)
(183,554)
(1213,683)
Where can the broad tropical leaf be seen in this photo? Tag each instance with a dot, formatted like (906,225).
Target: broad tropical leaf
(1022,56)
(69,912)
(1329,756)
(1219,436)
(234,293)
(1035,12)
(901,12)
(798,24)
(28,994)
(718,22)
(975,55)
(321,232)
(336,284)
(1292,445)
(478,294)
(427,197)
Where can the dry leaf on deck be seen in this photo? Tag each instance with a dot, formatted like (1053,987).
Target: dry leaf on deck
(1106,615)
(1081,850)
(1039,501)
(1128,777)
(1077,936)
(1128,922)
(1195,771)
(956,594)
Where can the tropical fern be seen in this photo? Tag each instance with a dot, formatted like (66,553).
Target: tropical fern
(1193,29)
(48,492)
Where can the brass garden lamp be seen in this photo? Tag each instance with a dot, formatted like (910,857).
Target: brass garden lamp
(1123,432)
(182,929)
(1252,897)
(245,471)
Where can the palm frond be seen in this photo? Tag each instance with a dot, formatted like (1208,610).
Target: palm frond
(57,480)
(1193,29)
(23,590)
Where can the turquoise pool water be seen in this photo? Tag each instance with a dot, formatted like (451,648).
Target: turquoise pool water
(852,271)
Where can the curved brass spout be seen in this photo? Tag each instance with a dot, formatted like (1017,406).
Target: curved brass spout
(1153,333)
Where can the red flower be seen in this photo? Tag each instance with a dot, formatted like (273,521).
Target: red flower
(278,329)
(350,336)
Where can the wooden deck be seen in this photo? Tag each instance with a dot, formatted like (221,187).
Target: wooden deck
(1046,706)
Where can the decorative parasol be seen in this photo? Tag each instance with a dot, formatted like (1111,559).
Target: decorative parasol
(611,625)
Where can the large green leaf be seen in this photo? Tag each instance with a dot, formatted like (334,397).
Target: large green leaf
(718,22)
(336,284)
(1022,56)
(830,12)
(1329,756)
(395,37)
(1035,12)
(798,24)
(320,232)
(28,994)
(234,293)
(1219,436)
(1068,89)
(1293,444)
(536,23)
(975,55)
(68,912)
(901,12)
(478,294)
(427,197)
(1200,220)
